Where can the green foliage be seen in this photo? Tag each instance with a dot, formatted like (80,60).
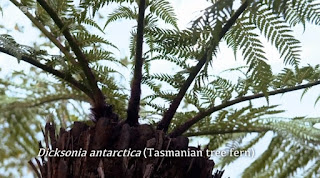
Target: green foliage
(31,100)
(277,32)
(28,98)
(164,11)
(122,12)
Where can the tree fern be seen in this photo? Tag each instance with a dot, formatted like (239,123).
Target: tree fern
(208,100)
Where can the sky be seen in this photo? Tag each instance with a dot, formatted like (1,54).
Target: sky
(187,10)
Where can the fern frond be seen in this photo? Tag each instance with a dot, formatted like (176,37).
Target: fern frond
(229,159)
(95,55)
(265,159)
(173,59)
(91,22)
(288,164)
(213,15)
(164,10)
(262,76)
(297,12)
(302,131)
(98,4)
(174,42)
(278,33)
(313,170)
(122,12)
(170,79)
(86,39)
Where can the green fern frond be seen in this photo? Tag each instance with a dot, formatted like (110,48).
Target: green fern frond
(86,39)
(171,80)
(278,33)
(164,11)
(155,87)
(261,76)
(194,100)
(174,42)
(223,88)
(91,22)
(8,43)
(28,3)
(96,54)
(300,130)
(122,12)
(218,141)
(217,13)
(297,11)
(229,159)
(288,164)
(96,5)
(265,159)
(177,61)
(313,170)
(157,107)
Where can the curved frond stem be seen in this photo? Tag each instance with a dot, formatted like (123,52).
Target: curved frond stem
(34,168)
(225,131)
(134,102)
(98,97)
(64,76)
(168,115)
(48,34)
(184,127)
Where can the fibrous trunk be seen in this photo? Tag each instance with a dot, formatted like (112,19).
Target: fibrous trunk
(113,135)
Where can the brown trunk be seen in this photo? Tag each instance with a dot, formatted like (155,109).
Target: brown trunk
(112,135)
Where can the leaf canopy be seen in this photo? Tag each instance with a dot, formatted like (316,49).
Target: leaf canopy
(64,91)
